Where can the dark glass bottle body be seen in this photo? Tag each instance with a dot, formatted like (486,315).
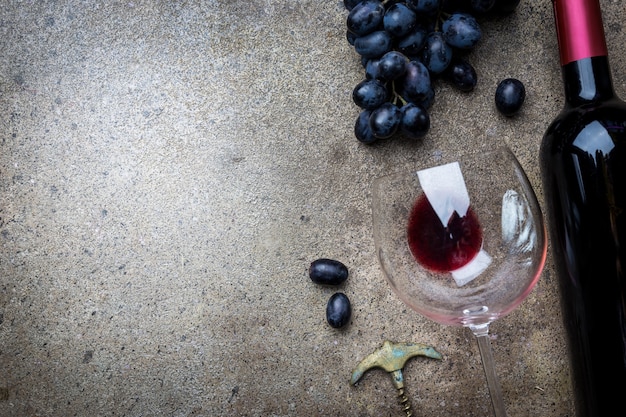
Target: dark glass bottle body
(583,163)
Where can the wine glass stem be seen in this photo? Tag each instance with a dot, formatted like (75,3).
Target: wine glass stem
(495,391)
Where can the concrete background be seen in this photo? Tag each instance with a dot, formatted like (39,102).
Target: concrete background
(168,171)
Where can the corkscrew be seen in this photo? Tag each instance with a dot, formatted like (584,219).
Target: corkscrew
(392,357)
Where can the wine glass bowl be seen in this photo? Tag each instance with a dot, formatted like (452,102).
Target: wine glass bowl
(513,238)
(463,242)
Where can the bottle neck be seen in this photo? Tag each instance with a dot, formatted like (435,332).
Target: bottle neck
(583,51)
(587,80)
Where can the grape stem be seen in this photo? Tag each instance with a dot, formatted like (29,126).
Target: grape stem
(397,96)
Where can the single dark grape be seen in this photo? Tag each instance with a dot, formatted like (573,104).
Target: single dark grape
(415,121)
(510,95)
(482,6)
(414,86)
(362,129)
(385,120)
(426,100)
(399,20)
(461,31)
(411,44)
(338,310)
(461,74)
(372,69)
(392,65)
(437,53)
(424,6)
(370,94)
(506,6)
(374,45)
(365,17)
(328,272)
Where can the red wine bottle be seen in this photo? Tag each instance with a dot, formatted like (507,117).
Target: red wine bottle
(583,164)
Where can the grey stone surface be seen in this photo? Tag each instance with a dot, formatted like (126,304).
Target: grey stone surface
(168,170)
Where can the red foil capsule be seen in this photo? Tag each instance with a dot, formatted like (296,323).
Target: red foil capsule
(576,23)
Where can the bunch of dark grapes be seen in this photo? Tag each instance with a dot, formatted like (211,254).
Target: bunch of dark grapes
(404,46)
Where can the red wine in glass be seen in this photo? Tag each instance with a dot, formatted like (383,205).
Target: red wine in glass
(443,247)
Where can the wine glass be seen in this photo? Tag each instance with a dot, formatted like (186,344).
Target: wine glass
(462,243)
